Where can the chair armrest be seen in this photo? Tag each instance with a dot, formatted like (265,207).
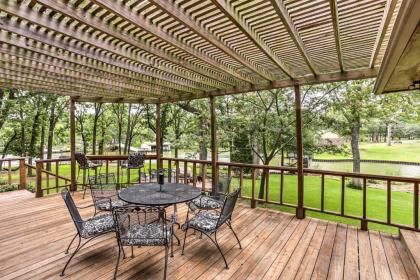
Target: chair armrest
(84,207)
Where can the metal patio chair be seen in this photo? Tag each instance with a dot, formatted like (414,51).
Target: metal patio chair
(212,201)
(103,188)
(86,229)
(142,226)
(208,222)
(85,164)
(135,161)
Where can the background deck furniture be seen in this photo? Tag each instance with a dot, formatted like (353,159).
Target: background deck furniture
(86,229)
(135,161)
(208,222)
(85,164)
(104,192)
(212,201)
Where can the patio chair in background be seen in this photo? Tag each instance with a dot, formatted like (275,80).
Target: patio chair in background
(135,161)
(212,201)
(85,164)
(142,226)
(86,229)
(104,192)
(208,222)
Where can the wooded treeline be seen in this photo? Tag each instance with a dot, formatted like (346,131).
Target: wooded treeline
(254,127)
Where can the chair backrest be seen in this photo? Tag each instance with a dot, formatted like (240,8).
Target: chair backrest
(228,206)
(136,160)
(223,184)
(71,206)
(131,217)
(102,179)
(82,160)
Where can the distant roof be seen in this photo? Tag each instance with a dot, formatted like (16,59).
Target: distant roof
(155,51)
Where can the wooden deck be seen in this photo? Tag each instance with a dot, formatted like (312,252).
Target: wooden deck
(34,233)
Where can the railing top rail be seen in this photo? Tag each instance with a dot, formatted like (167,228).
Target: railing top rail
(11,158)
(95,157)
(306,170)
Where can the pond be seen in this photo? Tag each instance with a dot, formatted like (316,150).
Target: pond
(390,169)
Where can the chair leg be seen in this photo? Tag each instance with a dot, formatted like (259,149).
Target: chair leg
(165,271)
(218,248)
(72,255)
(183,245)
(117,264)
(71,242)
(84,186)
(132,252)
(172,247)
(234,233)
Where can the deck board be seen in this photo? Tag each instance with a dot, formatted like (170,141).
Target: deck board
(34,233)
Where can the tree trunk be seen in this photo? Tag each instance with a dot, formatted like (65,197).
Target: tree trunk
(51,126)
(127,135)
(42,143)
(34,136)
(102,142)
(389,134)
(6,147)
(355,134)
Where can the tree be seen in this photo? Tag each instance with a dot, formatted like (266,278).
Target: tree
(353,104)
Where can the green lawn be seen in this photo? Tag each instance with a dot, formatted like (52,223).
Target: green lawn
(407,151)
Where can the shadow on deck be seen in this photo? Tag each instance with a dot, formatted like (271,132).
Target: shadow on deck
(35,232)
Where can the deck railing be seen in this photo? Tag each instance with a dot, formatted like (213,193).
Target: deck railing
(249,176)
(11,168)
(53,181)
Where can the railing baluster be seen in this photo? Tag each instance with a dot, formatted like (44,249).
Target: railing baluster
(107,169)
(56,176)
(194,174)
(322,192)
(118,172)
(185,172)
(204,179)
(253,175)
(170,171)
(9,172)
(150,170)
(177,171)
(416,205)
(343,187)
(229,178)
(364,223)
(388,201)
(281,186)
(241,179)
(48,183)
(267,184)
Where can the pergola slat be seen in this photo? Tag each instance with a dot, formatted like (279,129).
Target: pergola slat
(121,10)
(164,51)
(294,34)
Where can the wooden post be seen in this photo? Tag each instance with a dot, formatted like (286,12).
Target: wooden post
(22,174)
(214,173)
(158,144)
(300,211)
(73,185)
(39,192)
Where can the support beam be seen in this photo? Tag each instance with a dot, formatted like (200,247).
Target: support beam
(73,186)
(336,25)
(300,212)
(214,156)
(294,34)
(158,138)
(386,19)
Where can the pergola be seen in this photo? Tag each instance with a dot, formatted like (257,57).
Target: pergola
(159,51)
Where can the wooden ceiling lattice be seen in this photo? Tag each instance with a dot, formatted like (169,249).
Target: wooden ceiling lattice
(156,51)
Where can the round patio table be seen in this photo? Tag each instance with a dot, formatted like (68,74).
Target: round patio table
(150,194)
